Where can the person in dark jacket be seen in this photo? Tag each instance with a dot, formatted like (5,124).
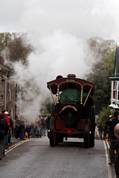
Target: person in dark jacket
(114,144)
(3,133)
(21,130)
(107,127)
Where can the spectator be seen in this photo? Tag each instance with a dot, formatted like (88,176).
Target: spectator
(3,133)
(21,130)
(114,144)
(100,129)
(10,127)
(28,130)
(43,127)
(17,130)
(107,127)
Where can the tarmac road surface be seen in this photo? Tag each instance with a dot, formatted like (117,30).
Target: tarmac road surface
(36,159)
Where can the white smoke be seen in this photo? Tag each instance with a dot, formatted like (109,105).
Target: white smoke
(58,30)
(62,53)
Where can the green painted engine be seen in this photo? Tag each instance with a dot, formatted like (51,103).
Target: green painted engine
(73,114)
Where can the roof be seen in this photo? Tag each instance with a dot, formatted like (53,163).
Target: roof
(61,83)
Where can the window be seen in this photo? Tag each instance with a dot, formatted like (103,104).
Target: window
(114,89)
(118,89)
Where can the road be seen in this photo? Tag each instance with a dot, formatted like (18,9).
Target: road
(36,159)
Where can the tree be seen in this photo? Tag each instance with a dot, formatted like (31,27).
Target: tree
(103,116)
(15,47)
(4,38)
(19,49)
(101,72)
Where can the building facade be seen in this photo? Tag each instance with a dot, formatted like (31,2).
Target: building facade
(7,90)
(115,82)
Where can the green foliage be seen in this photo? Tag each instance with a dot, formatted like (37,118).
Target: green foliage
(101,72)
(103,115)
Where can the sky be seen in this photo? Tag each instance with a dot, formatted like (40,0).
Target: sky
(83,18)
(58,31)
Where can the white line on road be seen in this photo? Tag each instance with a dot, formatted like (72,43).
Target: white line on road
(15,145)
(109,168)
(106,147)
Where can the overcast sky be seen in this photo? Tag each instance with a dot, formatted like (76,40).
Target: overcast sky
(85,18)
(58,30)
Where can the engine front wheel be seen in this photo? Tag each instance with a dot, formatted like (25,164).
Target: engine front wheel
(87,141)
(53,139)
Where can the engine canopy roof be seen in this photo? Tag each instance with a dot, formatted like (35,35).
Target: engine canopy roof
(61,83)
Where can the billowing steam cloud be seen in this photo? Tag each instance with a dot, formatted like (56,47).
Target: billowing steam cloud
(58,30)
(61,53)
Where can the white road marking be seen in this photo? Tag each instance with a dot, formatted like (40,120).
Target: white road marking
(106,147)
(15,145)
(109,167)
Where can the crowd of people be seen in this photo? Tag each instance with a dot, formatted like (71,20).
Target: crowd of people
(19,130)
(35,129)
(6,129)
(111,133)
